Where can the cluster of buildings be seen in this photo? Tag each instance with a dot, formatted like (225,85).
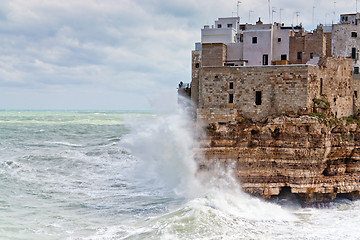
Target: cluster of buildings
(261,70)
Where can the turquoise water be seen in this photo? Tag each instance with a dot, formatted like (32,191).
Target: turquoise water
(131,175)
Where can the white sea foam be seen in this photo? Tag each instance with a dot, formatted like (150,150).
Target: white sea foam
(215,208)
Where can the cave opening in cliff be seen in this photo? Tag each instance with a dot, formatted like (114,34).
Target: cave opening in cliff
(286,197)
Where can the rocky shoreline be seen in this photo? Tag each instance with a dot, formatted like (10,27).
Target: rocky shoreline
(313,158)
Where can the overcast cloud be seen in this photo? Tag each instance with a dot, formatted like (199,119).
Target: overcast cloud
(117,54)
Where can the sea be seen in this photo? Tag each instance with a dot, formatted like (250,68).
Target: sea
(132,175)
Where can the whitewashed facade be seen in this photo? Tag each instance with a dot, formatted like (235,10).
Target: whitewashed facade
(249,44)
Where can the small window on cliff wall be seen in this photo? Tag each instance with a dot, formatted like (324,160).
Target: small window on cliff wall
(321,86)
(258,98)
(231,85)
(354,34)
(311,55)
(355,94)
(197,65)
(231,98)
(254,40)
(356,70)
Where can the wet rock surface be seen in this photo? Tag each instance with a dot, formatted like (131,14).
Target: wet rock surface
(313,161)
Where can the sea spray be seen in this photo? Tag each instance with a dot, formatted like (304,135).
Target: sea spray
(164,148)
(215,204)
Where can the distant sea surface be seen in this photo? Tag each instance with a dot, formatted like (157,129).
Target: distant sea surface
(131,175)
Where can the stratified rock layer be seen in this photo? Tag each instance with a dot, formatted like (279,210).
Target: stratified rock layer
(301,155)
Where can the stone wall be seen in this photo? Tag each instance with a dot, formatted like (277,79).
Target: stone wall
(213,54)
(289,90)
(337,85)
(307,43)
(195,67)
(283,90)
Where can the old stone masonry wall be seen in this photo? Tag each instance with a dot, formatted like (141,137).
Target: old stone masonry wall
(278,89)
(257,93)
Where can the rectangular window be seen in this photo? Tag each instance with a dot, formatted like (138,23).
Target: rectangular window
(354,34)
(258,98)
(283,57)
(231,85)
(229,25)
(356,70)
(219,25)
(265,59)
(321,86)
(355,93)
(279,39)
(231,98)
(299,55)
(353,53)
(254,40)
(311,55)
(197,65)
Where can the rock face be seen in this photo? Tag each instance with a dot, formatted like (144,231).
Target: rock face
(314,159)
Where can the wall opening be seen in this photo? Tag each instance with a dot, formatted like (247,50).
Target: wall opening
(356,70)
(231,98)
(321,86)
(258,97)
(355,94)
(299,55)
(219,26)
(254,40)
(354,34)
(231,85)
(283,57)
(353,53)
(265,59)
(279,39)
(311,55)
(197,65)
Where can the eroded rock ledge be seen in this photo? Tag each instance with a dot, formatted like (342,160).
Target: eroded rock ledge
(313,159)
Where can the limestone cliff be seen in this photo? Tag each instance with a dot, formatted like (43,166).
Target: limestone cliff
(315,158)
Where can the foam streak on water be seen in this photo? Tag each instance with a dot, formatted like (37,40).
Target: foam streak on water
(121,175)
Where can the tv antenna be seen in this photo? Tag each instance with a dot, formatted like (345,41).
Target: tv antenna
(297,18)
(237,8)
(269,11)
(272,14)
(313,16)
(250,11)
(332,22)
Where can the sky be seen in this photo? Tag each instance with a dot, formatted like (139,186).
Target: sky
(119,54)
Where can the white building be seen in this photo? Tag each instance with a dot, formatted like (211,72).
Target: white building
(346,39)
(248,44)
